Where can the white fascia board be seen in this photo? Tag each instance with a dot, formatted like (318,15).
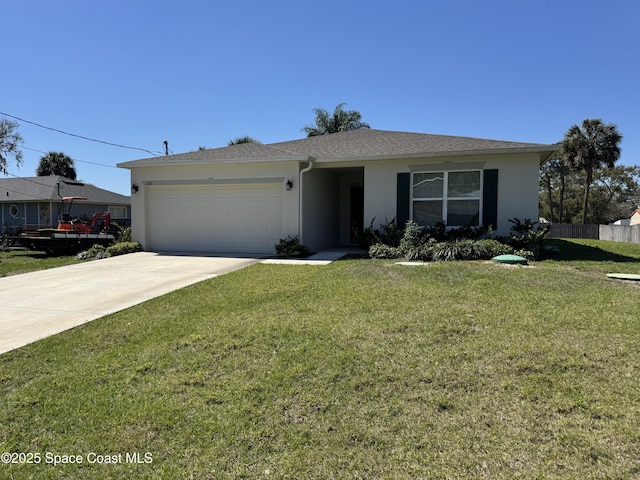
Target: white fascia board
(134,164)
(545,151)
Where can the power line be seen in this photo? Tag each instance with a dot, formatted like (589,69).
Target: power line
(19,193)
(35,182)
(26,179)
(74,159)
(76,135)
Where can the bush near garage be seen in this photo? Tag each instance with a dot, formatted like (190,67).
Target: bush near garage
(97,251)
(291,247)
(100,251)
(124,233)
(122,248)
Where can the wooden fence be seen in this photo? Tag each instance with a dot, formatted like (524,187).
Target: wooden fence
(569,230)
(614,233)
(619,233)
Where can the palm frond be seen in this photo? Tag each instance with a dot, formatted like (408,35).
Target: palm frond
(340,120)
(239,140)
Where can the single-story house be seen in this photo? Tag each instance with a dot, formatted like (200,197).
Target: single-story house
(635,217)
(35,202)
(244,198)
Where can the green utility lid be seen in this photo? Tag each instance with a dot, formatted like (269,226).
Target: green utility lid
(510,259)
(624,276)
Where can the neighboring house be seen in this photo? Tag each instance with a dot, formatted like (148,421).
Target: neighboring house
(35,202)
(635,217)
(623,222)
(244,198)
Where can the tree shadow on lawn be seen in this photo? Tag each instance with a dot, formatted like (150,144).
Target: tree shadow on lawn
(570,251)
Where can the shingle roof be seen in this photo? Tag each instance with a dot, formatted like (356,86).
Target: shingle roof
(46,189)
(383,143)
(359,144)
(243,152)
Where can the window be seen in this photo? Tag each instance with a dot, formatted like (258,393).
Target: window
(449,197)
(118,212)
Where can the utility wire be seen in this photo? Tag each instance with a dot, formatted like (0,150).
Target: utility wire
(26,179)
(19,193)
(31,180)
(78,136)
(74,159)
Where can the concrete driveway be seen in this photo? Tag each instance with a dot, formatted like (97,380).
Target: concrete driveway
(38,304)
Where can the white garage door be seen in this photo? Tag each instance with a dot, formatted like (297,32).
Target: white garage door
(215,218)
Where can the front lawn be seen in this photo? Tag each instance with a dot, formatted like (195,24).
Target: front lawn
(359,369)
(15,262)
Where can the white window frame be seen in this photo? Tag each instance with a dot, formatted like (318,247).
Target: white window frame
(445,193)
(117,211)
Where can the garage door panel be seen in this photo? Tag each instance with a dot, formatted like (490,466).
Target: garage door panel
(215,218)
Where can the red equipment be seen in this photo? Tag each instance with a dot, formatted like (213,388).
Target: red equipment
(72,235)
(99,221)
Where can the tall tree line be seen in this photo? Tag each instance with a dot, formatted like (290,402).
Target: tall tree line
(614,192)
(582,181)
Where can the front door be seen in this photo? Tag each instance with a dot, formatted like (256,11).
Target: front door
(356,219)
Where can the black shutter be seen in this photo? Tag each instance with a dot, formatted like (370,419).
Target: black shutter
(402,200)
(490,199)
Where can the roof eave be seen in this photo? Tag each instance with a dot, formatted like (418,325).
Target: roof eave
(136,164)
(545,151)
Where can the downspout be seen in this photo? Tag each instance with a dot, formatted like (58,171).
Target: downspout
(301,197)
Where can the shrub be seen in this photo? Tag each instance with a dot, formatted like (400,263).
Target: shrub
(122,248)
(528,254)
(439,244)
(440,233)
(413,237)
(291,247)
(388,233)
(367,237)
(526,235)
(97,251)
(456,250)
(490,248)
(383,251)
(423,253)
(436,243)
(124,233)
(468,233)
(445,251)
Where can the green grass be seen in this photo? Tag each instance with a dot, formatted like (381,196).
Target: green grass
(599,255)
(13,263)
(359,369)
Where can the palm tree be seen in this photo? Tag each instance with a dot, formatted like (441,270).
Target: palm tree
(341,121)
(239,140)
(591,146)
(56,163)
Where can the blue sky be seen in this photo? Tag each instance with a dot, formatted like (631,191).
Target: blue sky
(199,73)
